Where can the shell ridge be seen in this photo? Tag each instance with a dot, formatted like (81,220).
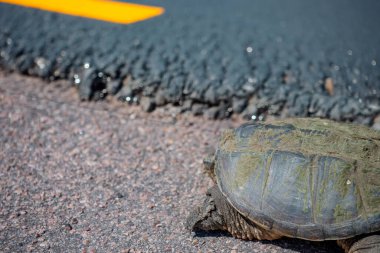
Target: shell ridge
(360,185)
(314,185)
(267,173)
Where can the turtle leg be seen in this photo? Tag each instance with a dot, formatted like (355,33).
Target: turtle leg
(361,244)
(206,217)
(217,214)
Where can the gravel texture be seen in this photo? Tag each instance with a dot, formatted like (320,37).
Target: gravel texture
(216,57)
(105,177)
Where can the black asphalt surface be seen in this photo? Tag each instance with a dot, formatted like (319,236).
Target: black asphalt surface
(257,58)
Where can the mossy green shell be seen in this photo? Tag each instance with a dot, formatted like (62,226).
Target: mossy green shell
(307,178)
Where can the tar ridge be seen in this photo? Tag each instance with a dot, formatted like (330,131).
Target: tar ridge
(253,58)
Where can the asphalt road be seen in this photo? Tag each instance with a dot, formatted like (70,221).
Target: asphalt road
(256,58)
(103,177)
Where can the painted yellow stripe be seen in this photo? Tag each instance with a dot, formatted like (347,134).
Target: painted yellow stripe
(111,11)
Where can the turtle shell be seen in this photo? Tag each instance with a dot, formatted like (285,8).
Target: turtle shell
(306,178)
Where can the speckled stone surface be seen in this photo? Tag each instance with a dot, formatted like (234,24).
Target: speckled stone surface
(104,177)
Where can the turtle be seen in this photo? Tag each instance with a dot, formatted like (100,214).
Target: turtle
(308,178)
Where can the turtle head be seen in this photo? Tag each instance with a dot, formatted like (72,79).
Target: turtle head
(217,214)
(205,217)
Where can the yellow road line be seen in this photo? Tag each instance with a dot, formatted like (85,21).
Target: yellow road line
(111,11)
